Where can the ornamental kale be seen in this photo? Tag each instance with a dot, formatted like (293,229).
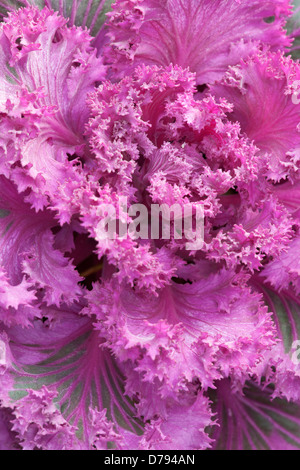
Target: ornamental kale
(135,341)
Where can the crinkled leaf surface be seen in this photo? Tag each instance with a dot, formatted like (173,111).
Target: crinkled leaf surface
(65,355)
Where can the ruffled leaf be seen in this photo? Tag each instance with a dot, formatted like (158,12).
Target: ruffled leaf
(285,270)
(43,127)
(206,36)
(184,428)
(90,14)
(217,325)
(8,440)
(67,390)
(265,103)
(27,247)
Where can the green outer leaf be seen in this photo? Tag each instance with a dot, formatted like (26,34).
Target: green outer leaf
(84,376)
(253,421)
(285,306)
(293,24)
(94,17)
(79,12)
(4,213)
